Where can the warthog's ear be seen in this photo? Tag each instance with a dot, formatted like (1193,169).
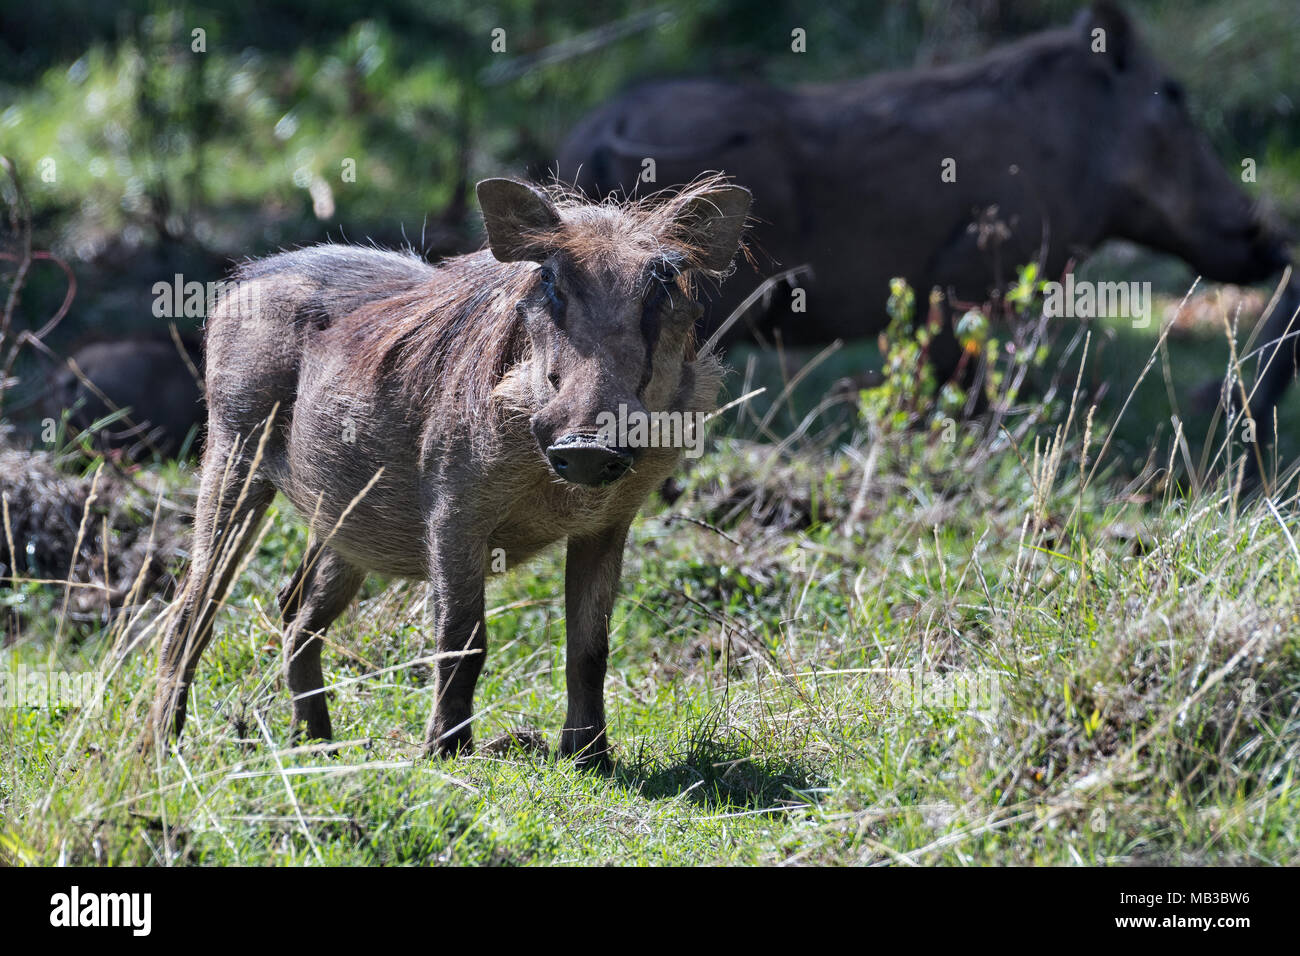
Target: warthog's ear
(1116,39)
(713,222)
(515,213)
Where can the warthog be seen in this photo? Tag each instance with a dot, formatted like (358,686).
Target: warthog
(151,381)
(947,177)
(436,422)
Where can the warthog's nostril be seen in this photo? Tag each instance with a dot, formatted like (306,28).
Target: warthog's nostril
(585,461)
(615,468)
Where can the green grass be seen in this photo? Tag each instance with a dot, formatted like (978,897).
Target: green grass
(890,651)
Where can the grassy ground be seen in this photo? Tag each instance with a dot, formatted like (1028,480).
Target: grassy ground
(893,649)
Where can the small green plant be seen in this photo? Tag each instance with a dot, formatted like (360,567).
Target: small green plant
(990,376)
(906,379)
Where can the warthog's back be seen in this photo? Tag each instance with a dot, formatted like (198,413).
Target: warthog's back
(275,348)
(257,336)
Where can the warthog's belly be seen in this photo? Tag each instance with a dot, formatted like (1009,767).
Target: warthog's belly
(377,535)
(404,558)
(374,520)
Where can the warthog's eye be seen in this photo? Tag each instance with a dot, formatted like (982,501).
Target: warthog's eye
(553,298)
(659,287)
(1174,93)
(665,271)
(554,379)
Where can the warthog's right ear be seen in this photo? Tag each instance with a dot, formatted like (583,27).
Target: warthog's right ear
(515,214)
(714,221)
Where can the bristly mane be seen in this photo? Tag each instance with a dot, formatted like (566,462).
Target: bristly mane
(453,332)
(454,329)
(621,236)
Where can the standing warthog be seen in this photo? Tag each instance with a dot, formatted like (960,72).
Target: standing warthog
(947,177)
(428,421)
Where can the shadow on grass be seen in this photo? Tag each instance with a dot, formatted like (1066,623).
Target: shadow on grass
(718,768)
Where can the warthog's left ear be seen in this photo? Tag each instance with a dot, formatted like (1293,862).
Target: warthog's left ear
(515,214)
(1116,34)
(713,222)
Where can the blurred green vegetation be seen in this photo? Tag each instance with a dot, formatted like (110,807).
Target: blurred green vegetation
(143,156)
(152,140)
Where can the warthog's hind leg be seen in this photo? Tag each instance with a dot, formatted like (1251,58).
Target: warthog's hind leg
(321,589)
(230,507)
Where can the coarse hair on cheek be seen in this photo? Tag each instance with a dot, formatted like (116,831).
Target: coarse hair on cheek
(524,387)
(672,355)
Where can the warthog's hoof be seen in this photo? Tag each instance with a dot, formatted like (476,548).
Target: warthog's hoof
(162,727)
(589,751)
(304,730)
(458,743)
(600,763)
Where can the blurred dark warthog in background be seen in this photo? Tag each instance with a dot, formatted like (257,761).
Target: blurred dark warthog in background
(152,382)
(948,177)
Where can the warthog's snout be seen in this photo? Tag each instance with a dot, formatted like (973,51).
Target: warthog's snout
(584,460)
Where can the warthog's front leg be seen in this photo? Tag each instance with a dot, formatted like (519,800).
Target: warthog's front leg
(456,576)
(591,573)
